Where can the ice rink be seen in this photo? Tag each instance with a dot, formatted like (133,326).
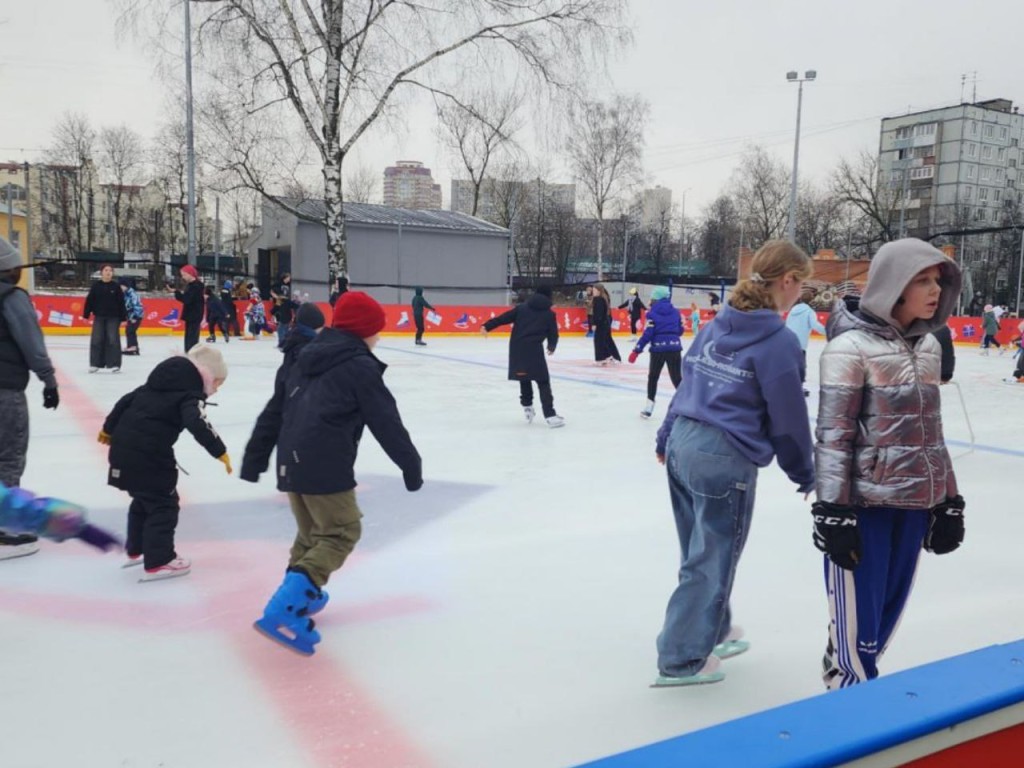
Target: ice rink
(502,617)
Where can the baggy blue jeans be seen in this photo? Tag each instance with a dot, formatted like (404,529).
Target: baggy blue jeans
(712,486)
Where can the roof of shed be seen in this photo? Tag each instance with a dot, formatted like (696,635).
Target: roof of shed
(365,213)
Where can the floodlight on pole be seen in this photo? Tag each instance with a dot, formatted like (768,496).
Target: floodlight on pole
(793,77)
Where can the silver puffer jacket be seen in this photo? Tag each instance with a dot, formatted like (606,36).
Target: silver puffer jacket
(879,431)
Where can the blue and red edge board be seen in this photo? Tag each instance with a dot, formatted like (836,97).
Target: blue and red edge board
(963,711)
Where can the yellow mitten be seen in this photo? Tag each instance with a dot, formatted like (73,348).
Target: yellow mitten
(226,461)
(103,437)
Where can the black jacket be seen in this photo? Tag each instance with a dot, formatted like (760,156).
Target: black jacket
(192,301)
(533,324)
(634,305)
(333,390)
(268,423)
(948,355)
(215,311)
(146,422)
(105,300)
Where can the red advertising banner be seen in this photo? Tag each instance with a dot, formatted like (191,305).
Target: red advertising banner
(63,315)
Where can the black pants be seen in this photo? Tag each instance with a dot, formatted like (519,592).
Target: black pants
(191,333)
(131,338)
(211,328)
(232,321)
(803,369)
(990,338)
(632,324)
(105,343)
(152,518)
(547,400)
(673,360)
(418,319)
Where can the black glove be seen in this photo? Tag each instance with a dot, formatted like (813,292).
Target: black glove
(412,482)
(836,534)
(51,397)
(946,530)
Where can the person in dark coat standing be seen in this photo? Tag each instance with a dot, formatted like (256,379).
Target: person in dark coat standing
(635,307)
(308,322)
(334,390)
(605,350)
(141,431)
(533,323)
(216,317)
(22,351)
(284,307)
(106,302)
(418,304)
(192,305)
(227,298)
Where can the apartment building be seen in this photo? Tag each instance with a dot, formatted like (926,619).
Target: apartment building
(409,184)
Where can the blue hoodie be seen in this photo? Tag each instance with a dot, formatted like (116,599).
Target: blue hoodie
(664,327)
(742,375)
(801,320)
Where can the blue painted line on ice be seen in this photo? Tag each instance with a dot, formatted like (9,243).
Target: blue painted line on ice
(626,388)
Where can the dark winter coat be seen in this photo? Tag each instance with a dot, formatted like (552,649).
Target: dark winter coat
(268,423)
(145,424)
(945,338)
(192,301)
(418,304)
(105,300)
(604,344)
(215,311)
(21,342)
(663,329)
(335,388)
(533,323)
(634,305)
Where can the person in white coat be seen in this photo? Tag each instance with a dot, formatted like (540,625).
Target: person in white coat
(801,320)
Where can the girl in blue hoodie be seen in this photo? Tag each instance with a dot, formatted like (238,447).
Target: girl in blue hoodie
(662,332)
(738,407)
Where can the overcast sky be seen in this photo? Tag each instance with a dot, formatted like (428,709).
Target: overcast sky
(713,72)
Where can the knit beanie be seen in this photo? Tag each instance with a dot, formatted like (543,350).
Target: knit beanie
(188,269)
(358,313)
(659,292)
(309,315)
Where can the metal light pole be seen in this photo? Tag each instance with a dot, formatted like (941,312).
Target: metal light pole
(190,138)
(793,77)
(1020,268)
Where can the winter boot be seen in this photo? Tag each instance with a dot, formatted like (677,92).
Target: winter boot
(286,617)
(529,413)
(648,409)
(709,673)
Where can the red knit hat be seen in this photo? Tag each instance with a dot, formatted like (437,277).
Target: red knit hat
(358,313)
(188,269)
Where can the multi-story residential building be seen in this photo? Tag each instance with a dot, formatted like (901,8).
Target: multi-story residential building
(408,184)
(655,207)
(497,197)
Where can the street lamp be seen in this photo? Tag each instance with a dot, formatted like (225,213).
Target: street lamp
(794,77)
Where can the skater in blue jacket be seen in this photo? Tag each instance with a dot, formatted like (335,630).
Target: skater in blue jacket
(801,320)
(662,332)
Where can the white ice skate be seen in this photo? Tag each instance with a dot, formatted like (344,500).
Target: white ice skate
(14,545)
(131,561)
(179,566)
(648,409)
(529,413)
(555,421)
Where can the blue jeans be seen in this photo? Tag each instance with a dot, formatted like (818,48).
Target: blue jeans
(712,487)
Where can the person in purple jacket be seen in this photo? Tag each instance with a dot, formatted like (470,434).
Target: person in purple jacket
(664,327)
(738,407)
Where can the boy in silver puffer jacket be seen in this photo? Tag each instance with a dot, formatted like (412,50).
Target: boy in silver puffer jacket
(885,483)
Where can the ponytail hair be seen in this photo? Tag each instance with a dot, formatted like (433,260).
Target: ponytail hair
(772,262)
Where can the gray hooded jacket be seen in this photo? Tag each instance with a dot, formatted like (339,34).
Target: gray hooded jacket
(879,431)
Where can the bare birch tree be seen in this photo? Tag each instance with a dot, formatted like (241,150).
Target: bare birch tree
(605,147)
(73,146)
(121,158)
(361,184)
(332,69)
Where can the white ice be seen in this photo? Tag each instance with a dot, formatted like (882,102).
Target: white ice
(504,616)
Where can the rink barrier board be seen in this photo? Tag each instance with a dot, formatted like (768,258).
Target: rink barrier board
(966,710)
(62,315)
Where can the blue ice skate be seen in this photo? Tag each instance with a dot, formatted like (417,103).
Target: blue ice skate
(286,617)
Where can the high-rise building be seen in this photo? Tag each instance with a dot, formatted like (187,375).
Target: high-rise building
(656,206)
(408,184)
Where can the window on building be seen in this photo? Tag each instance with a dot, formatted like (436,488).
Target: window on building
(896,176)
(1013,163)
(1000,175)
(982,193)
(974,127)
(922,152)
(986,153)
(1004,132)
(925,129)
(990,131)
(1001,154)
(986,174)
(925,172)
(972,171)
(966,192)
(997,195)
(980,214)
(972,150)
(905,132)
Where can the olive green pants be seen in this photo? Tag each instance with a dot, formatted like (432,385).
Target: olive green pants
(329,527)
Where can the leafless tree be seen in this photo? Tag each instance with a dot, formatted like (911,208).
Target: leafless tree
(73,146)
(333,69)
(760,191)
(718,235)
(821,219)
(858,183)
(121,157)
(476,130)
(361,184)
(605,146)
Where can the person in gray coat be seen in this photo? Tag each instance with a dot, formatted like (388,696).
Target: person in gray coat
(885,482)
(21,350)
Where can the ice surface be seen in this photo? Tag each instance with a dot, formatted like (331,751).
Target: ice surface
(504,616)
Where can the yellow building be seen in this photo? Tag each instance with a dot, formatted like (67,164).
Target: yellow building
(15,229)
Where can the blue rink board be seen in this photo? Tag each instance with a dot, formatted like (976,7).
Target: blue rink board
(841,726)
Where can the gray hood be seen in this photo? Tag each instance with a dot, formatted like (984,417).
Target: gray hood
(9,256)
(892,269)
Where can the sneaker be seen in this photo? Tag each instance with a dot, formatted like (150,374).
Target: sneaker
(555,421)
(14,545)
(732,645)
(93,369)
(179,566)
(709,673)
(116,369)
(529,413)
(648,409)
(131,561)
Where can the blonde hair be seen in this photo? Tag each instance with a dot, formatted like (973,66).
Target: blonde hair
(772,262)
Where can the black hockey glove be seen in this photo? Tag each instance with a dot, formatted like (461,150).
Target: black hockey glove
(836,534)
(51,397)
(413,482)
(946,530)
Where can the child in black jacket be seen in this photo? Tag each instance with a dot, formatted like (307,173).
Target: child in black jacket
(335,389)
(141,431)
(216,316)
(191,305)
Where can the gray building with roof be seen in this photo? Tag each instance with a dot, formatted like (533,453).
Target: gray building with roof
(456,258)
